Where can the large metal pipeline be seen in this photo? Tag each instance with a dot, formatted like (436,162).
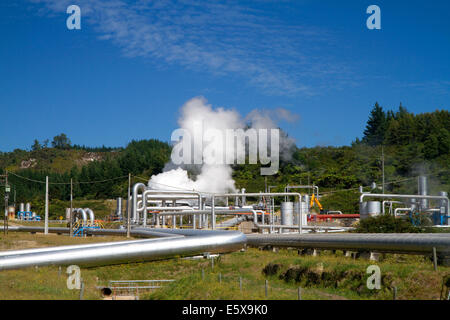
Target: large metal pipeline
(231,222)
(179,242)
(186,243)
(59,248)
(418,243)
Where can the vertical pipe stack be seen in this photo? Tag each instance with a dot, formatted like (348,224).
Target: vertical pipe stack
(423,191)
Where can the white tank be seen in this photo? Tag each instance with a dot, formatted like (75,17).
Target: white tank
(369,209)
(303,207)
(287,213)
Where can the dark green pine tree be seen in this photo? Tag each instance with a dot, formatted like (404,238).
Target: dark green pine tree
(376,126)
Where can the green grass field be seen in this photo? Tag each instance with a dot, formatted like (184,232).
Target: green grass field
(328,276)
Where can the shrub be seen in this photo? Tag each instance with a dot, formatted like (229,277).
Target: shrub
(386,224)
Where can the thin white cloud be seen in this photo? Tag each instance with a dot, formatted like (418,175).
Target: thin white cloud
(219,38)
(441,87)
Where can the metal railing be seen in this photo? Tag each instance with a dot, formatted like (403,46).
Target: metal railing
(119,287)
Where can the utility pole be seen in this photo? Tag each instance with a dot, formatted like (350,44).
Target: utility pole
(382,163)
(71,208)
(7,190)
(46,206)
(128,206)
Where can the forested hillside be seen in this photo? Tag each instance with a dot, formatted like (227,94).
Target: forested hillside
(411,144)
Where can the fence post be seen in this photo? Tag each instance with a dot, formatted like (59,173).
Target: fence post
(395,293)
(299,293)
(240,283)
(435,259)
(266,287)
(220,277)
(203,274)
(82,289)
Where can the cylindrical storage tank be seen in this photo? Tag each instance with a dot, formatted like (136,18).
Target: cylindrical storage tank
(28,207)
(306,199)
(287,213)
(119,207)
(444,207)
(21,207)
(373,208)
(297,208)
(301,207)
(305,210)
(369,209)
(423,191)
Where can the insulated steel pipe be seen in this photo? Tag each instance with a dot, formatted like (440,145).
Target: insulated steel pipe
(190,243)
(418,243)
(316,188)
(396,210)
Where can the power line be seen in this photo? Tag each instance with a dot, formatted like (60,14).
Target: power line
(390,182)
(169,186)
(166,185)
(68,183)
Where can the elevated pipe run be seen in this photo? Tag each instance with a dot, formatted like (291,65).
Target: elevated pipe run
(396,210)
(411,243)
(218,212)
(288,187)
(390,202)
(187,243)
(156,194)
(273,194)
(406,196)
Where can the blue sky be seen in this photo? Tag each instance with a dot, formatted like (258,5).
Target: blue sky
(133,64)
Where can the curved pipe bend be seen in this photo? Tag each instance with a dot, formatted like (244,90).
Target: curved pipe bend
(91,215)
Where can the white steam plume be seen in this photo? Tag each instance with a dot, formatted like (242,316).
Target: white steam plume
(214,178)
